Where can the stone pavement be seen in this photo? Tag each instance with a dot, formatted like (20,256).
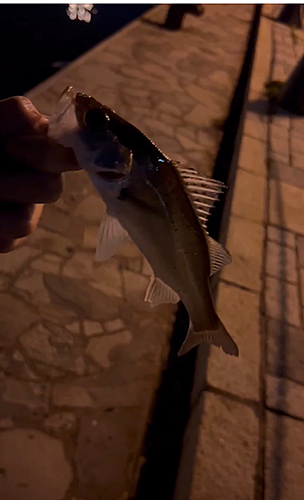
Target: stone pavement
(248,423)
(81,353)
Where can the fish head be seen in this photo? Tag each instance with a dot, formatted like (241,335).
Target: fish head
(109,148)
(97,126)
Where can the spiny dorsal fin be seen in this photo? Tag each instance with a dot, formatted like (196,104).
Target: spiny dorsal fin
(219,257)
(202,191)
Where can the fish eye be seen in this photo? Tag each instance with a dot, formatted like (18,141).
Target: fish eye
(95,118)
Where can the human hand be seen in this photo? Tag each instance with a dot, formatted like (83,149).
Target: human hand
(30,169)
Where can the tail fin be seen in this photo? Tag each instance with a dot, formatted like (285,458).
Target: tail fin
(219,337)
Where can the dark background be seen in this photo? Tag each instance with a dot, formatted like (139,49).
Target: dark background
(33,37)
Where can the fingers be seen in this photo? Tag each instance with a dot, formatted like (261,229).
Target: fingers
(18,221)
(20,117)
(42,153)
(23,134)
(32,216)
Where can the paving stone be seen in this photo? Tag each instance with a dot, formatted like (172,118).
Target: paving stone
(187,143)
(282,301)
(32,395)
(286,206)
(300,250)
(254,127)
(302,286)
(72,396)
(129,250)
(146,268)
(4,282)
(281,262)
(285,351)
(6,423)
(134,265)
(50,242)
(20,368)
(92,328)
(100,348)
(31,287)
(135,288)
(187,132)
(35,466)
(13,261)
(297,160)
(73,327)
(281,236)
(297,144)
(207,141)
(87,301)
(253,156)
(284,173)
(170,120)
(285,396)
(279,133)
(91,209)
(79,266)
(159,126)
(284,457)
(55,348)
(48,263)
(10,325)
(114,325)
(55,220)
(202,116)
(170,109)
(297,126)
(276,157)
(126,394)
(248,199)
(239,311)
(60,422)
(281,121)
(204,96)
(107,278)
(245,243)
(120,429)
(228,436)
(90,237)
(221,77)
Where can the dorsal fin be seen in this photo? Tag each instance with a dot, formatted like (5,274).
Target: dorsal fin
(202,191)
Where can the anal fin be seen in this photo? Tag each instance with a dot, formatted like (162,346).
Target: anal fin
(160,293)
(219,257)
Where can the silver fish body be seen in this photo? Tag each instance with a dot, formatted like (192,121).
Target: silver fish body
(151,203)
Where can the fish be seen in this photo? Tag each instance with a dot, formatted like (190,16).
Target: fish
(162,206)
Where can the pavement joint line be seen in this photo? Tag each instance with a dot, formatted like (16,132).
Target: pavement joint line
(301,299)
(285,280)
(280,320)
(235,397)
(282,413)
(241,287)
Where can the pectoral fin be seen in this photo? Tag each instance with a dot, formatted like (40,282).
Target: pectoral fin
(110,238)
